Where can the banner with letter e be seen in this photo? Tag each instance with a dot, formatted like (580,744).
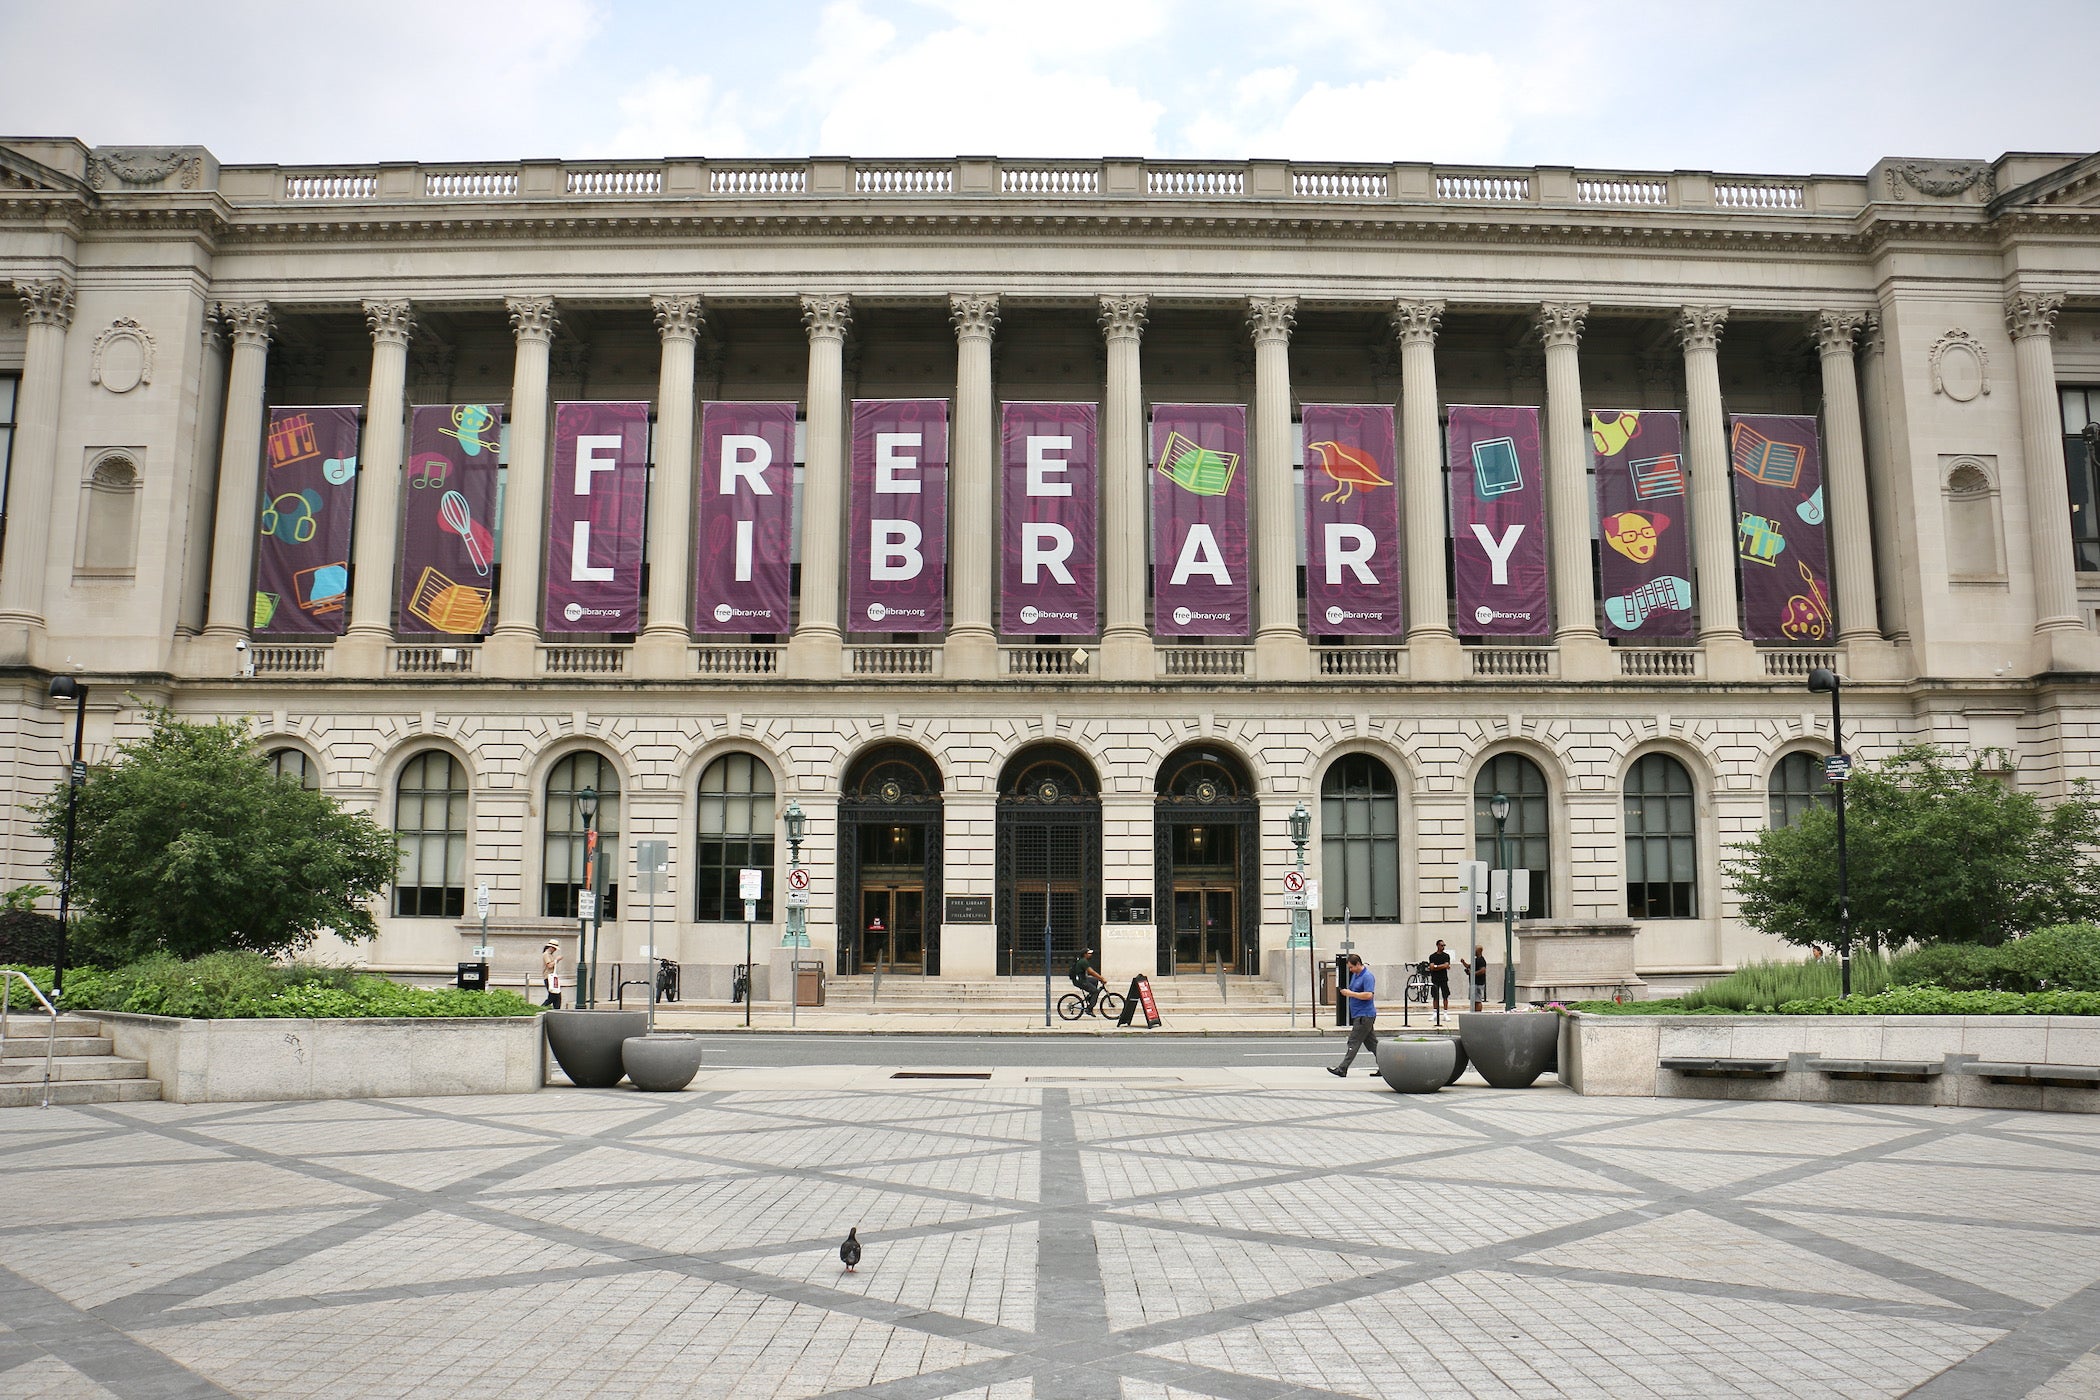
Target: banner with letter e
(897,519)
(1049,470)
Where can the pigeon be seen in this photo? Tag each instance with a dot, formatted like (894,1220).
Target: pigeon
(849,1252)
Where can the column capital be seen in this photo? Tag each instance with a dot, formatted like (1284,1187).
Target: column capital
(975,314)
(1870,342)
(1123,317)
(1834,331)
(2032,313)
(392,322)
(47,301)
(1271,318)
(532,318)
(1416,322)
(679,317)
(248,322)
(827,317)
(1699,327)
(1560,323)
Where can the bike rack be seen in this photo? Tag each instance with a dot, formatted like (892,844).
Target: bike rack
(8,977)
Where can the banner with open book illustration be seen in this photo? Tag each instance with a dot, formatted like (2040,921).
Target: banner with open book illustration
(309,503)
(1644,554)
(1782,547)
(448,519)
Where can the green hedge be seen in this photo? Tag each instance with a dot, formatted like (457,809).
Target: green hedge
(1938,1001)
(244,985)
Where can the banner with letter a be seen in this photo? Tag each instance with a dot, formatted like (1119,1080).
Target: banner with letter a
(309,503)
(448,519)
(1644,558)
(897,523)
(1498,523)
(1199,520)
(1352,521)
(594,517)
(741,507)
(1780,547)
(1046,579)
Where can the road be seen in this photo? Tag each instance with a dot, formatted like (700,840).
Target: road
(764,1050)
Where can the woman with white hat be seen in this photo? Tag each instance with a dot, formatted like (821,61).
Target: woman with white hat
(550,968)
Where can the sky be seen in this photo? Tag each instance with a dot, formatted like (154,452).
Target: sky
(1780,86)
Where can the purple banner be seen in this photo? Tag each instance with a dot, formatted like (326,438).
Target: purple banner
(898,518)
(1645,547)
(1046,582)
(741,506)
(1498,523)
(1352,521)
(309,503)
(1199,520)
(448,515)
(1780,547)
(594,517)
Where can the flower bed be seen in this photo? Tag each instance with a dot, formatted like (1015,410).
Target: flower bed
(248,986)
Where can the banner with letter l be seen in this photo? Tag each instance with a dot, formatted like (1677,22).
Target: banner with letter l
(595,528)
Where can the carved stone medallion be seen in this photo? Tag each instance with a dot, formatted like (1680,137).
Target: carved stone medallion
(123,357)
(1961,368)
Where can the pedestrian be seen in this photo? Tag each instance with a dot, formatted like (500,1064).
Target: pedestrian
(1363,1015)
(550,972)
(1439,966)
(1480,977)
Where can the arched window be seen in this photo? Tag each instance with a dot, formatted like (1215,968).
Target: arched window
(294,764)
(430,822)
(1797,785)
(1662,840)
(1528,832)
(562,869)
(1360,839)
(736,833)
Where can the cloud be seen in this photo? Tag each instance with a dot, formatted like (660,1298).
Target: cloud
(1443,106)
(673,114)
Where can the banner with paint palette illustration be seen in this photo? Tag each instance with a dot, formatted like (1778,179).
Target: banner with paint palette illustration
(309,503)
(1352,521)
(1782,547)
(1199,521)
(1498,522)
(1644,555)
(448,519)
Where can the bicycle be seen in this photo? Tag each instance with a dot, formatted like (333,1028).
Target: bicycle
(666,980)
(1072,1005)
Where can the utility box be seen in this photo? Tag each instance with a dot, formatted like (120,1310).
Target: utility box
(1327,983)
(473,977)
(809,984)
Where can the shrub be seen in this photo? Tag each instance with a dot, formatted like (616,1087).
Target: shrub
(2062,959)
(1938,1001)
(241,985)
(1960,967)
(1760,986)
(27,936)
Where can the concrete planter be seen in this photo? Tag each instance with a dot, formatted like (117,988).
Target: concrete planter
(1417,1066)
(1509,1048)
(586,1044)
(1459,1061)
(661,1063)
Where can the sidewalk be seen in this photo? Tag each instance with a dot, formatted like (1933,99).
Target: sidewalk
(873,1020)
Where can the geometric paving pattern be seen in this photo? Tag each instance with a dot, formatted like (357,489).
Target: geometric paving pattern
(1037,1242)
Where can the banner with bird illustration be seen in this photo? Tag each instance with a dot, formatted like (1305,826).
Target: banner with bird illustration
(448,519)
(1498,522)
(1047,467)
(1199,520)
(1781,549)
(1353,582)
(1644,553)
(309,503)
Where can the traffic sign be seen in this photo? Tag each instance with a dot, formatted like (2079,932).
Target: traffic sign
(586,904)
(751,885)
(798,878)
(1837,768)
(481,901)
(1294,881)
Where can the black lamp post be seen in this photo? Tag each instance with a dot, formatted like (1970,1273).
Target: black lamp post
(66,688)
(1820,680)
(795,825)
(1498,808)
(1301,918)
(587,805)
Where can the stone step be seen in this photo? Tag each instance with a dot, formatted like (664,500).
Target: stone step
(71,1068)
(22,1047)
(80,1092)
(34,1022)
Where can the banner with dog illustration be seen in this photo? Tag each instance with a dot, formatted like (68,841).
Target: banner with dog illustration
(1782,550)
(1352,521)
(309,503)
(1199,520)
(448,519)
(1644,555)
(1498,522)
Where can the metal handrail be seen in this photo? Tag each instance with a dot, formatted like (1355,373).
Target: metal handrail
(6,1000)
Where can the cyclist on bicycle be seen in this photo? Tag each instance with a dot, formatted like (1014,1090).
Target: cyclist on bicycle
(1087,978)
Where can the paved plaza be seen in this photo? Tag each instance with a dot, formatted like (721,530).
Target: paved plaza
(1048,1234)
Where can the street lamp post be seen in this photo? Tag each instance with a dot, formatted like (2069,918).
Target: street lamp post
(796,935)
(587,908)
(1819,680)
(66,688)
(1498,808)
(1301,917)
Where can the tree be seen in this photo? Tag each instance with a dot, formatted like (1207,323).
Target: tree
(1939,850)
(189,844)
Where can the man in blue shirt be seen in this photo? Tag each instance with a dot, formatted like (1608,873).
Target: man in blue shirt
(1363,1015)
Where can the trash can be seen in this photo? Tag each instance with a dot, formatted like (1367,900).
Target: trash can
(1327,993)
(473,977)
(809,984)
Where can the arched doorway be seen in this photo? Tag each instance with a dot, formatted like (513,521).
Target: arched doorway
(1206,857)
(890,863)
(1049,853)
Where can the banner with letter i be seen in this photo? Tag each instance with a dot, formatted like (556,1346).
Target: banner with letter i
(309,503)
(1046,579)
(741,503)
(594,517)
(1199,521)
(1781,549)
(897,520)
(1352,521)
(1645,562)
(1498,522)
(448,519)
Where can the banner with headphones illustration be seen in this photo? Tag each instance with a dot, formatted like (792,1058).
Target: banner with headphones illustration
(309,503)
(1644,556)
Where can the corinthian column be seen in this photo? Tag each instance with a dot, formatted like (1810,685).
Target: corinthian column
(973,644)
(1706,447)
(1126,642)
(814,650)
(379,487)
(48,308)
(231,610)
(1568,482)
(1280,649)
(1845,478)
(1422,473)
(2030,316)
(511,645)
(661,649)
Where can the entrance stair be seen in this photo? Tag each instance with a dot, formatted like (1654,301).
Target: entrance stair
(84,1065)
(906,993)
